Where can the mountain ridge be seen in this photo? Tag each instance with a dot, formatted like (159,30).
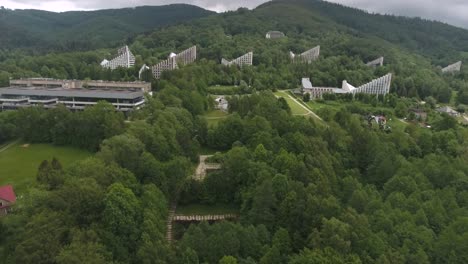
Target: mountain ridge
(85,30)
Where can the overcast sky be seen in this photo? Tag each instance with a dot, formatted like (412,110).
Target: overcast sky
(451,11)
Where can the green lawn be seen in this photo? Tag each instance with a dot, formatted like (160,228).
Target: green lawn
(200,209)
(296,109)
(223,89)
(316,106)
(213,117)
(19,164)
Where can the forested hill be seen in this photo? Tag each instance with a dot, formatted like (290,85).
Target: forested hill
(436,39)
(414,49)
(79,30)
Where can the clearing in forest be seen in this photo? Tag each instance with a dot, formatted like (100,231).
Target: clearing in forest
(297,108)
(19,162)
(215,116)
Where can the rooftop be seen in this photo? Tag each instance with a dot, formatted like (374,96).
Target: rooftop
(65,80)
(103,93)
(7,193)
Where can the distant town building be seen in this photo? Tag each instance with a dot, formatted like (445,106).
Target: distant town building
(317,92)
(307,56)
(55,83)
(274,35)
(246,59)
(456,67)
(124,59)
(7,199)
(448,110)
(376,63)
(174,60)
(377,86)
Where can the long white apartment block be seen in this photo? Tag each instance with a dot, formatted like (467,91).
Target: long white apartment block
(456,67)
(246,59)
(72,84)
(125,59)
(173,61)
(376,63)
(379,86)
(307,56)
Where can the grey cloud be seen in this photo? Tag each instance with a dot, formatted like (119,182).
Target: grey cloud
(215,5)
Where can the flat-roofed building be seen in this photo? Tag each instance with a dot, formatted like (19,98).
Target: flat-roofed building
(316,92)
(307,56)
(125,59)
(174,60)
(274,35)
(165,65)
(246,59)
(72,84)
(73,98)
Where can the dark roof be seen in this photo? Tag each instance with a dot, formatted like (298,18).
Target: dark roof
(7,193)
(74,92)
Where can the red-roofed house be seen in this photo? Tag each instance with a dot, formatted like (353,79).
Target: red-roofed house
(7,199)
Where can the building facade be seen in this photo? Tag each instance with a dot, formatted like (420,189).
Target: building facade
(246,59)
(72,84)
(456,67)
(307,56)
(75,99)
(174,60)
(380,86)
(125,59)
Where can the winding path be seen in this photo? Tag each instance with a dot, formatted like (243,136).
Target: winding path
(203,167)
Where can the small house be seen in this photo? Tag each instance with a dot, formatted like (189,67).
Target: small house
(7,199)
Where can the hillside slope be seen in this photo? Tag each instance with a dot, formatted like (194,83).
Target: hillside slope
(79,30)
(348,38)
(435,39)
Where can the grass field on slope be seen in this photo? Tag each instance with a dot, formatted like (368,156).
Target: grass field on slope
(296,109)
(19,163)
(214,117)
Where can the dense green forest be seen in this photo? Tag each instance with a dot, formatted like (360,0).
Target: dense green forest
(334,190)
(42,31)
(307,193)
